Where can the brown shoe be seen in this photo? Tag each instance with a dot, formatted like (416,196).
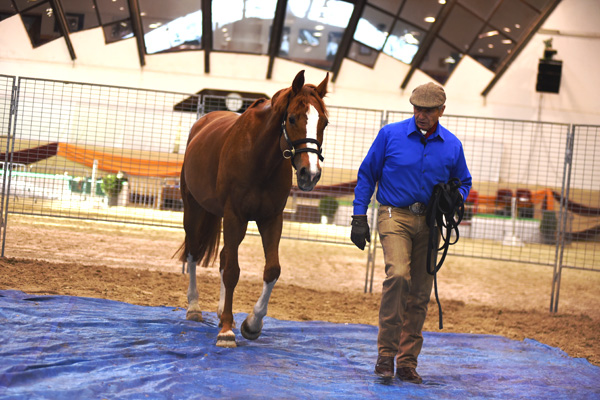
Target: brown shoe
(385,366)
(408,374)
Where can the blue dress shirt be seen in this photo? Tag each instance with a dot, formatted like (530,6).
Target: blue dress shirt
(406,169)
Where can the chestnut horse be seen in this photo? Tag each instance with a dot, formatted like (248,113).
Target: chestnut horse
(238,168)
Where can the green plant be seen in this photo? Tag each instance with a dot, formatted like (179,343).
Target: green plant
(328,206)
(113,184)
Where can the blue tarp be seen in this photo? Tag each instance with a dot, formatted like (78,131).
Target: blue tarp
(61,347)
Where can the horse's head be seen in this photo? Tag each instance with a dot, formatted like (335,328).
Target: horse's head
(303,123)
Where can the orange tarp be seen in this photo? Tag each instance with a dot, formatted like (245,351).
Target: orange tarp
(115,163)
(538,196)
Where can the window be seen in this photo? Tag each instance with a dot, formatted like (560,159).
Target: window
(491,48)
(404,42)
(7,9)
(538,4)
(421,13)
(114,17)
(171,26)
(80,14)
(362,54)
(440,61)
(324,20)
(40,23)
(461,28)
(373,28)
(483,9)
(391,6)
(242,26)
(25,4)
(513,18)
(118,31)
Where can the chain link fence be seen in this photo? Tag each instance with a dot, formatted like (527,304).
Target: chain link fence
(97,152)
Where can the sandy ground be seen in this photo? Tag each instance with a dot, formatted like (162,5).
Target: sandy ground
(134,264)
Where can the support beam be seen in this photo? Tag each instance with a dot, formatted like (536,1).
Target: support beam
(63,26)
(138,32)
(347,39)
(207,36)
(276,33)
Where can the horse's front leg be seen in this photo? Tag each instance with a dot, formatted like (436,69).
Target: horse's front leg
(270,232)
(234,231)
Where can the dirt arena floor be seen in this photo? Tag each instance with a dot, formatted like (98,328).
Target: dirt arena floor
(133,264)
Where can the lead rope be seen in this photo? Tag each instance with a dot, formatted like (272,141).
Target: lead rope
(447,212)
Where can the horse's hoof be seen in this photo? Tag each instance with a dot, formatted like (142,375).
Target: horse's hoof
(247,333)
(226,339)
(194,315)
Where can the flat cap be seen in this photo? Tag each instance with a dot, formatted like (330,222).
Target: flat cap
(428,95)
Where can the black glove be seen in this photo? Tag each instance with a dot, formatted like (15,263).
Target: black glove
(360,231)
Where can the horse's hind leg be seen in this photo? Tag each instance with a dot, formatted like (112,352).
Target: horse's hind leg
(194,313)
(202,231)
(270,232)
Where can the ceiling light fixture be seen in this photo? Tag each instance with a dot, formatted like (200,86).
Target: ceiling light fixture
(488,34)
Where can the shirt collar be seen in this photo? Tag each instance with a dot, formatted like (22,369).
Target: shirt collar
(439,131)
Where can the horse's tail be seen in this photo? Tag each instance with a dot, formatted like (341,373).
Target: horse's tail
(202,229)
(203,242)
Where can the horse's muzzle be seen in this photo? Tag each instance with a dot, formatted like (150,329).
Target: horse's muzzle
(307,180)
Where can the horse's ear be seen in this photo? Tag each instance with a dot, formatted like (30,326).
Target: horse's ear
(298,83)
(322,88)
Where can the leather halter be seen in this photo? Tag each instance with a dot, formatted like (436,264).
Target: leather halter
(292,151)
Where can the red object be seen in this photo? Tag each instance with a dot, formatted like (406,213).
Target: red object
(473,200)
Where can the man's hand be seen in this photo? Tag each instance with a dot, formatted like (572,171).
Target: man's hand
(360,231)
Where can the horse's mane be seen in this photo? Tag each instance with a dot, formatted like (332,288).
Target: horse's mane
(258,102)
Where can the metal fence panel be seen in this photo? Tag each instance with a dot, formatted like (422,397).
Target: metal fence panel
(7,89)
(73,137)
(80,133)
(517,169)
(582,231)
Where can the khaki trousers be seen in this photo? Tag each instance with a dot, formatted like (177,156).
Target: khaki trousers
(407,286)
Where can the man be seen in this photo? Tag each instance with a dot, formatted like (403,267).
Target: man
(406,160)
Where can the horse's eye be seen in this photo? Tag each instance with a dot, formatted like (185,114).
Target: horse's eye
(292,119)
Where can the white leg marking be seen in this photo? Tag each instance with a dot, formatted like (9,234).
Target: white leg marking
(192,289)
(221,298)
(193,312)
(311,133)
(255,318)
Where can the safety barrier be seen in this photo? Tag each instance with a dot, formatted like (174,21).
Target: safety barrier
(535,196)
